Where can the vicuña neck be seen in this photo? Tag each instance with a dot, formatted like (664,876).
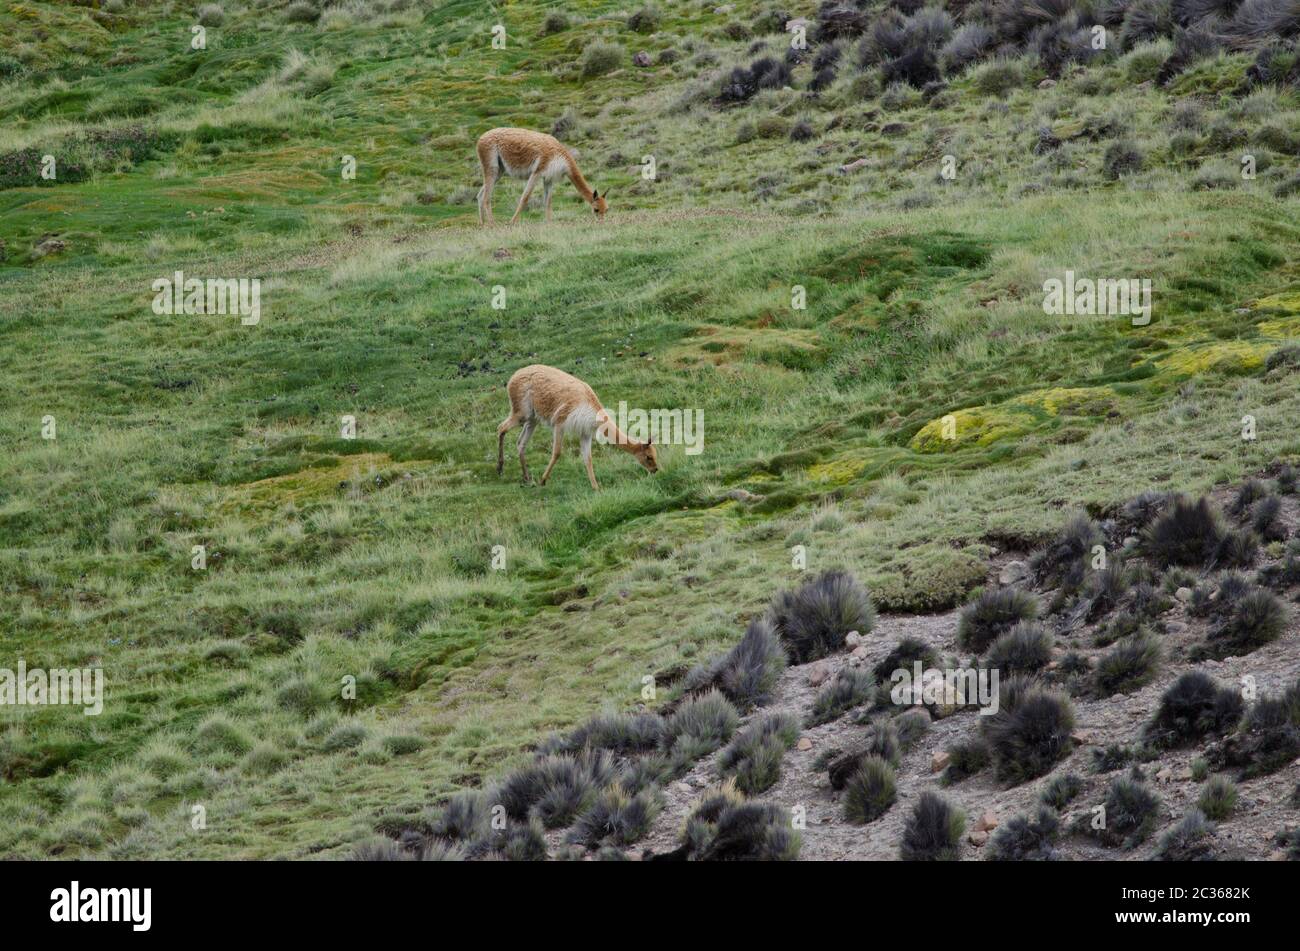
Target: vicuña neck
(615,436)
(575,176)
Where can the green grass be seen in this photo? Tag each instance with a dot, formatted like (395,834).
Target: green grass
(331,558)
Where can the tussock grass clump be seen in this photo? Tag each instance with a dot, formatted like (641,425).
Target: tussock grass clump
(464,817)
(1064,561)
(1130,813)
(1193,706)
(644,20)
(1130,664)
(622,733)
(904,656)
(1269,736)
(933,830)
(1248,493)
(753,759)
(1061,791)
(1265,519)
(645,772)
(218,732)
(1113,757)
(699,726)
(910,727)
(1186,533)
(850,688)
(814,620)
(1189,841)
(1238,548)
(383,849)
(748,672)
(211,14)
(1031,730)
(1022,839)
(881,740)
(992,614)
(965,759)
(556,21)
(870,791)
(600,57)
(555,789)
(723,827)
(1218,798)
(1025,649)
(1256,619)
(616,818)
(301,12)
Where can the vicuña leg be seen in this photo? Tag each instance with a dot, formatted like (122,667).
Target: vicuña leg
(557,442)
(523,199)
(547,186)
(507,424)
(526,435)
(586,457)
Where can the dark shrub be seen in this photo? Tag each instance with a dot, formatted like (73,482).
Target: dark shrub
(802,131)
(870,791)
(992,614)
(1025,649)
(616,818)
(1023,839)
(1064,562)
(555,22)
(1139,511)
(836,21)
(966,758)
(881,740)
(556,788)
(753,759)
(1111,758)
(1236,549)
(1130,815)
(1190,46)
(748,672)
(1269,736)
(622,733)
(1257,619)
(1128,665)
(933,831)
(1265,519)
(724,828)
(814,620)
(1145,20)
(916,68)
(904,656)
(850,688)
(1186,533)
(1061,791)
(1120,159)
(910,727)
(463,818)
(1189,841)
(645,20)
(1106,588)
(1031,730)
(1193,706)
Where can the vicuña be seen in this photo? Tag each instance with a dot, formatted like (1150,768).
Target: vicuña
(521,153)
(567,405)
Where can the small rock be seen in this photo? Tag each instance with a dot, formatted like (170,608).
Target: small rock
(852,166)
(939,761)
(1175,627)
(818,673)
(1130,541)
(1012,572)
(893,128)
(1183,594)
(853,639)
(684,788)
(986,822)
(1047,84)
(1185,773)
(741,495)
(1277,855)
(859,653)
(977,838)
(797,23)
(1082,738)
(1165,775)
(642,58)
(501,254)
(804,744)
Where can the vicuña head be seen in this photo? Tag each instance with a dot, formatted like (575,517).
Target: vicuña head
(534,157)
(566,404)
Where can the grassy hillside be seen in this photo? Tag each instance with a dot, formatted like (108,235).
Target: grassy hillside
(371,557)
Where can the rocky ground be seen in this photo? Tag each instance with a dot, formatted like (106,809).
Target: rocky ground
(1264,807)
